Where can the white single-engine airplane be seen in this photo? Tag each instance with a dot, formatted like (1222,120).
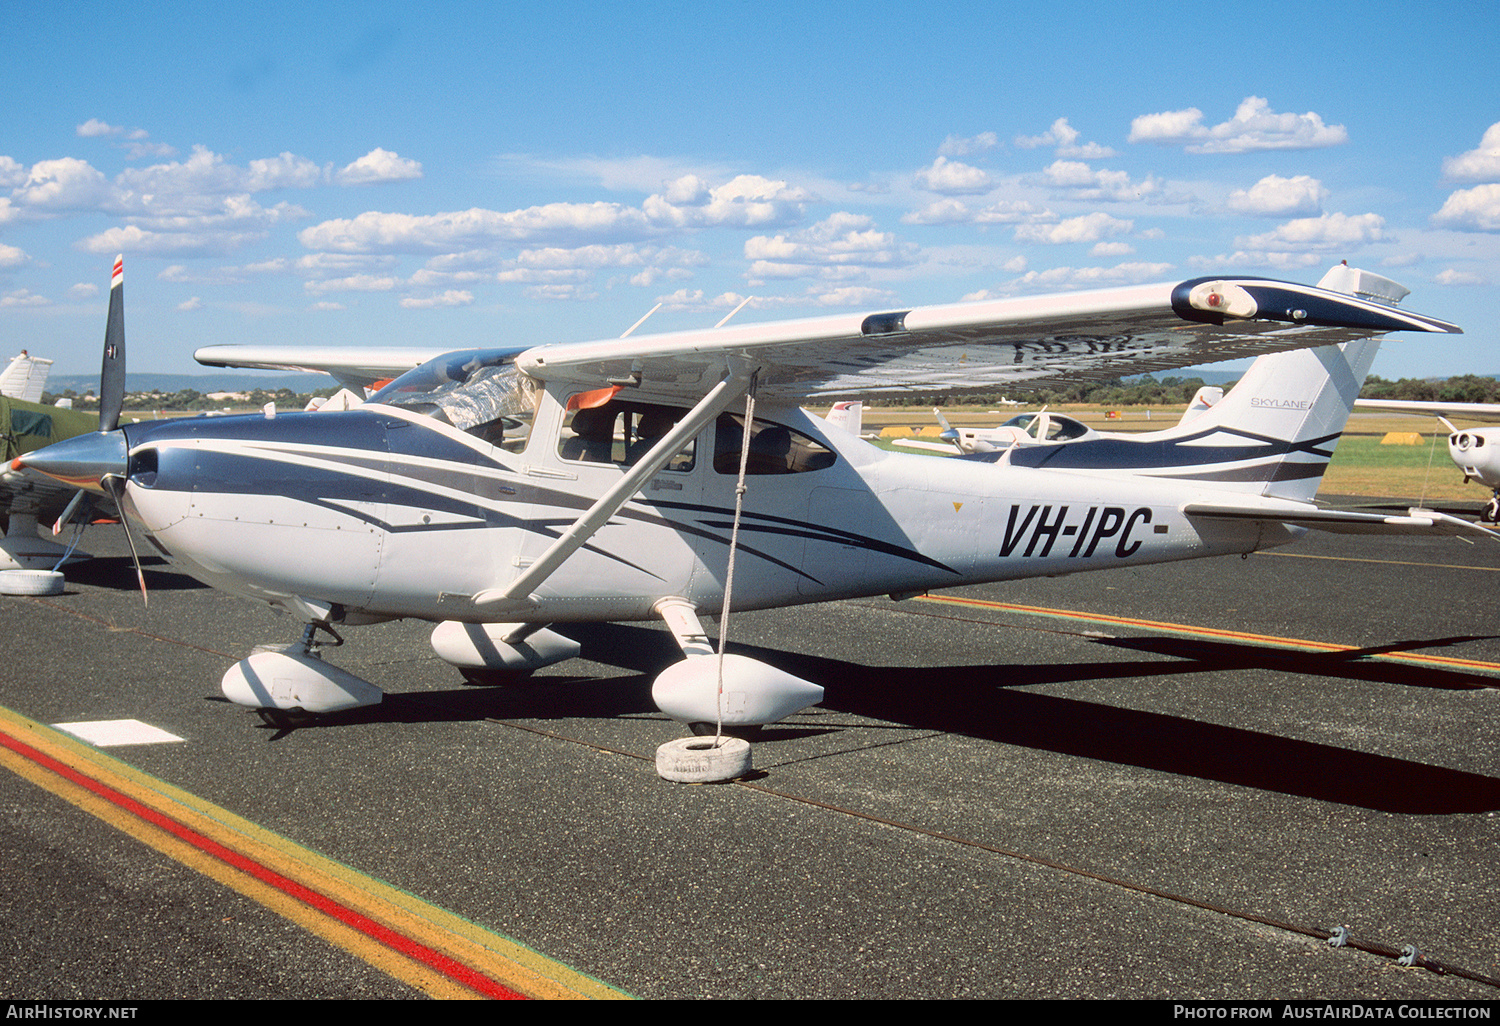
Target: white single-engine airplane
(1475,450)
(675,475)
(1040,428)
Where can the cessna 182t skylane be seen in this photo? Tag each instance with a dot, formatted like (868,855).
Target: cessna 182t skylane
(620,503)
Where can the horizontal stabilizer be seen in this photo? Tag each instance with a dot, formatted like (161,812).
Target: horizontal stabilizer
(1416,521)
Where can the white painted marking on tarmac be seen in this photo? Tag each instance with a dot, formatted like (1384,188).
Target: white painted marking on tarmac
(107,733)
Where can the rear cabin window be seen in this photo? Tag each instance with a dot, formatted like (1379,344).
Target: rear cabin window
(774,448)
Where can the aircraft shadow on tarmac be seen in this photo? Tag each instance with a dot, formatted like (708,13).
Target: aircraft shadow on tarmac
(117,573)
(984,702)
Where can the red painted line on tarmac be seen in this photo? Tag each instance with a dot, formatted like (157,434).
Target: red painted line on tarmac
(434,960)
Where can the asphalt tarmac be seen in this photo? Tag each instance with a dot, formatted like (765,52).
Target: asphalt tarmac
(1170,782)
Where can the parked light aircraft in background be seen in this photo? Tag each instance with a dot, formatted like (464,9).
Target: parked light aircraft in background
(1475,450)
(27,497)
(1039,428)
(675,475)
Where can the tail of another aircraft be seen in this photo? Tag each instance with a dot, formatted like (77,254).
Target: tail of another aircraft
(847,415)
(25,377)
(1272,434)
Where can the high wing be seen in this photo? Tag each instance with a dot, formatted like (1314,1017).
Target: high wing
(968,348)
(353,367)
(956,349)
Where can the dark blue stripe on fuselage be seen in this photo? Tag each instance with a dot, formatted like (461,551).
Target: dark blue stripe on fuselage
(1128,454)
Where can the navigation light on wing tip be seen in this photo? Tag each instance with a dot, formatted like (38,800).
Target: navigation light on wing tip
(1221,297)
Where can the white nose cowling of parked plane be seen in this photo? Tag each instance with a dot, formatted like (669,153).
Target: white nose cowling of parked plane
(1477,453)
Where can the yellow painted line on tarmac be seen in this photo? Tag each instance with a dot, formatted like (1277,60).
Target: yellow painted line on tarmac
(1219,633)
(420,944)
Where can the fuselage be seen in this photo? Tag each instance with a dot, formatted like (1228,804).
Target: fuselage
(386,512)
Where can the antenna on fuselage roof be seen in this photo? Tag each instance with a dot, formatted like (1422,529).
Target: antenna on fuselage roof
(734,311)
(638,323)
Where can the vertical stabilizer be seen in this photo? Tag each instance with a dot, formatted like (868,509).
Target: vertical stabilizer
(25,378)
(847,415)
(1297,402)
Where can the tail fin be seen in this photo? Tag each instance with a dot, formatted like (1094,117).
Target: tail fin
(1272,434)
(847,415)
(1203,399)
(25,378)
(1297,402)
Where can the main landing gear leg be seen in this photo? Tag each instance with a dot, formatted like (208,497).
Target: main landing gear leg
(290,686)
(1491,512)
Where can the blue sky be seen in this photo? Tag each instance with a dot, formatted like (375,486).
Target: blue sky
(456,174)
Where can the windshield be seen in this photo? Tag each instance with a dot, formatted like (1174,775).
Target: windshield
(466,388)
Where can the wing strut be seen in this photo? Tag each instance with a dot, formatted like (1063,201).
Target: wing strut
(516,595)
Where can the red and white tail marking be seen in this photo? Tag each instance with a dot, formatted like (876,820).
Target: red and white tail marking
(119,274)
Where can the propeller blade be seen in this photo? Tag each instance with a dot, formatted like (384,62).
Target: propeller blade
(112,376)
(947,432)
(115,485)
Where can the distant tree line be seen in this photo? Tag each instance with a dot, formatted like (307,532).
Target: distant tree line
(1466,388)
(190,400)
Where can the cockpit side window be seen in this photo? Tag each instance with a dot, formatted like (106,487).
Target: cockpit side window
(1064,428)
(774,448)
(621,433)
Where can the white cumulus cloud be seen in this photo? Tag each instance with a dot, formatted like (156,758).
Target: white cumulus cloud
(66,183)
(841,247)
(1479,165)
(1088,183)
(1087,228)
(1475,210)
(1274,196)
(745,201)
(379,166)
(378,232)
(954,178)
(452,297)
(962,146)
(1328,232)
(1065,138)
(1254,127)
